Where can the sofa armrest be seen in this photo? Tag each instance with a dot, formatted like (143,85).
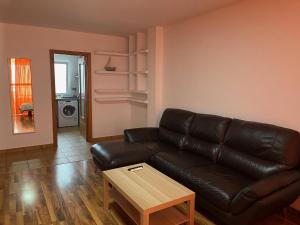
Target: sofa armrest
(262,188)
(141,134)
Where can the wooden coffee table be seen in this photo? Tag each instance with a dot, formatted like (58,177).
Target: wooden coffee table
(147,196)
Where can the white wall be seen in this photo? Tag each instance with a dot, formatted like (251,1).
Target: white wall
(34,43)
(242,61)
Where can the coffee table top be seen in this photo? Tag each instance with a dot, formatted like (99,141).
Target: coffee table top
(147,189)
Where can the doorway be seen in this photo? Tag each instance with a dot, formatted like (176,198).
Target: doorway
(71,92)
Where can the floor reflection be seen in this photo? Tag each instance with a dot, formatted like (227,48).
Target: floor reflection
(23,124)
(71,148)
(65,175)
(28,196)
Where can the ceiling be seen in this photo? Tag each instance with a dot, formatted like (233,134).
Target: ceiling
(103,16)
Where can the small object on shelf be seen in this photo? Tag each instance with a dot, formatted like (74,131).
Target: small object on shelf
(108,66)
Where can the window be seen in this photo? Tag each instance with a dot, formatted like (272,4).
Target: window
(82,79)
(60,70)
(21,95)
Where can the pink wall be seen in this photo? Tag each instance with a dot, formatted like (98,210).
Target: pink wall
(34,43)
(242,61)
(155,66)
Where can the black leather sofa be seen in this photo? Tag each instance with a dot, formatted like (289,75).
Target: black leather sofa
(240,171)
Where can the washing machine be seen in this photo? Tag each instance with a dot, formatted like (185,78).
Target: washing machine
(67,112)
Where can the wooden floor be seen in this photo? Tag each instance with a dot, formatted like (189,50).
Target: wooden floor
(59,187)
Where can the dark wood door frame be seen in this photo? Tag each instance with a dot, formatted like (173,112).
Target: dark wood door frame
(88,106)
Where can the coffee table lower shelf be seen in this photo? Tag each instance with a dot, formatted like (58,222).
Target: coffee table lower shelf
(169,216)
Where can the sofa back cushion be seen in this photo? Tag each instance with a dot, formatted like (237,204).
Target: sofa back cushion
(260,149)
(174,126)
(206,134)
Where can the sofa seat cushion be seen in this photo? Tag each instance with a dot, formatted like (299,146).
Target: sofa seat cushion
(116,154)
(174,164)
(217,184)
(263,188)
(156,147)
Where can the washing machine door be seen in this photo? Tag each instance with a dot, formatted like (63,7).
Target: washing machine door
(68,111)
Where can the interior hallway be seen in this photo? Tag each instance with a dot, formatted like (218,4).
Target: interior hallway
(71,148)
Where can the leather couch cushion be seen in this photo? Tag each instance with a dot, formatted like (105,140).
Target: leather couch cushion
(259,150)
(171,137)
(206,134)
(249,165)
(268,142)
(217,184)
(174,164)
(174,125)
(116,154)
(203,148)
(209,128)
(141,134)
(177,120)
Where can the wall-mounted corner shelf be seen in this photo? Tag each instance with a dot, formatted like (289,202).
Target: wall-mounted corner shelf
(111,91)
(140,72)
(139,101)
(120,100)
(133,53)
(120,91)
(143,72)
(120,54)
(144,51)
(112,100)
(138,92)
(103,72)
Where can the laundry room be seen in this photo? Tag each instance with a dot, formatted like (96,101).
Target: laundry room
(69,74)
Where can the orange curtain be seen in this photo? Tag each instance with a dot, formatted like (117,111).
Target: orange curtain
(21,85)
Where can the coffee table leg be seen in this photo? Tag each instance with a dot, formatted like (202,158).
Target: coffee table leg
(144,220)
(105,193)
(191,211)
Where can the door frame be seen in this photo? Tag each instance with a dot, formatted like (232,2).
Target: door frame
(88,105)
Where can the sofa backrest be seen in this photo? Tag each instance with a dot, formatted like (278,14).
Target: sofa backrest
(259,149)
(174,126)
(206,134)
